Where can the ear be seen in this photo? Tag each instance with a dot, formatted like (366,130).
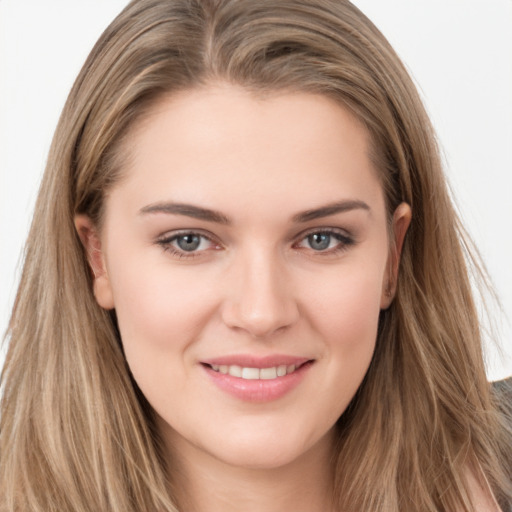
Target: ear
(92,244)
(400,224)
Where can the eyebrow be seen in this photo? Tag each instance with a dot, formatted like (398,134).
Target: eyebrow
(330,209)
(188,210)
(197,212)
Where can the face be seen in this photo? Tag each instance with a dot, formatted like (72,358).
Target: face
(247,256)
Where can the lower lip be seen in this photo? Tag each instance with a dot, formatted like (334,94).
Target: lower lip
(258,390)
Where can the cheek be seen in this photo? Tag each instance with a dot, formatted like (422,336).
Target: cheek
(346,309)
(160,316)
(345,312)
(159,311)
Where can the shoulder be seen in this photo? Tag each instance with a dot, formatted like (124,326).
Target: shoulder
(503,389)
(481,494)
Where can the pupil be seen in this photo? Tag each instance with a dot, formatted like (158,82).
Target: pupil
(188,242)
(319,241)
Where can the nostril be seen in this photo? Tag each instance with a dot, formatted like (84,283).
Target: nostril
(260,321)
(259,299)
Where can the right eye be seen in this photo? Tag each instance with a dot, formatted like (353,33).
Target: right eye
(187,244)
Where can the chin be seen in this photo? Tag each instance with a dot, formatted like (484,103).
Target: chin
(271,450)
(258,457)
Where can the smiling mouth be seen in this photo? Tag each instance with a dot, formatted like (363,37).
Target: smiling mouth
(249,373)
(257,379)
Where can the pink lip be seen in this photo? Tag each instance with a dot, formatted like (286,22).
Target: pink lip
(250,361)
(257,390)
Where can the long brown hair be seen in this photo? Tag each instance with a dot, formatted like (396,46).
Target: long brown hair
(76,434)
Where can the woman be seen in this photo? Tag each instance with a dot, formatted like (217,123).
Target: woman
(245,284)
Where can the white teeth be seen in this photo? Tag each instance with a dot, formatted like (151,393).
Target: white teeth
(281,370)
(268,373)
(255,373)
(250,373)
(235,371)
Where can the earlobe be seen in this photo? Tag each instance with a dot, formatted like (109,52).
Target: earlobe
(92,244)
(400,224)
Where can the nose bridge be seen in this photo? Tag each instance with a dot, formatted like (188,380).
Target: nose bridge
(261,300)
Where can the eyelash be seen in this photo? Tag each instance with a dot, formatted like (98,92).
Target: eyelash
(345,241)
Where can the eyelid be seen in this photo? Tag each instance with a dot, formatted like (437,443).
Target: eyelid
(175,233)
(323,229)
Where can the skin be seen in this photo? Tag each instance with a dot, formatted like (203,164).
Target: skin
(257,285)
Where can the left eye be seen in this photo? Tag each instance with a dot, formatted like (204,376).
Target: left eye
(324,240)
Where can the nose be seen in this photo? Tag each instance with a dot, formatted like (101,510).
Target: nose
(259,296)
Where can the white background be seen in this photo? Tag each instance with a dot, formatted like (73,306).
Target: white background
(458,51)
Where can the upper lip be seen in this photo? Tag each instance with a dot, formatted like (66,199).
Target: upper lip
(251,361)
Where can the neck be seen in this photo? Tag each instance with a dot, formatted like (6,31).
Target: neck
(205,484)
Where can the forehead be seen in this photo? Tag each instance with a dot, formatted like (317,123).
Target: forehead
(208,144)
